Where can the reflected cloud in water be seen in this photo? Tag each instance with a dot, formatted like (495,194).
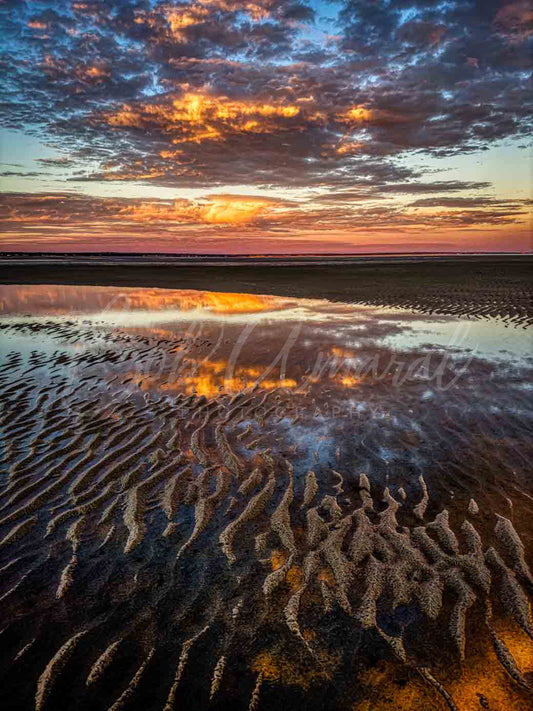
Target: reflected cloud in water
(297,465)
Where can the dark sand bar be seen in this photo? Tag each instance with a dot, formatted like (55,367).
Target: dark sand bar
(476,285)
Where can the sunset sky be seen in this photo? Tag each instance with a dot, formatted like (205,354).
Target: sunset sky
(266,126)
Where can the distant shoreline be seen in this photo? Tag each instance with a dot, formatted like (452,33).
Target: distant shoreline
(107,259)
(478,286)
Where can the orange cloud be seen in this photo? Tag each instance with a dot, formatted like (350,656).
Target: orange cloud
(357,114)
(125,175)
(349,147)
(177,211)
(56,67)
(258,10)
(264,224)
(179,18)
(234,209)
(198,116)
(214,210)
(96,72)
(361,114)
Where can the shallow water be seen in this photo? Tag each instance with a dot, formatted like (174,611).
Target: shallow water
(254,500)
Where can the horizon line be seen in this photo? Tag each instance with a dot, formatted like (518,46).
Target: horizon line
(255,255)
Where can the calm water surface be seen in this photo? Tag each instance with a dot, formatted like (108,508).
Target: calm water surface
(250,501)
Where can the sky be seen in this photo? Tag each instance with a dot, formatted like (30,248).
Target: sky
(266,126)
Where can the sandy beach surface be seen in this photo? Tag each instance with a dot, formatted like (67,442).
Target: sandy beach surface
(264,486)
(470,285)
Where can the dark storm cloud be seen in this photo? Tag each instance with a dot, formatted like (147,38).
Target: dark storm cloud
(214,92)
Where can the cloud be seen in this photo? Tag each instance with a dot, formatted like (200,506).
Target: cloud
(61,162)
(515,21)
(473,201)
(434,187)
(20,174)
(141,87)
(250,214)
(236,210)
(214,94)
(213,210)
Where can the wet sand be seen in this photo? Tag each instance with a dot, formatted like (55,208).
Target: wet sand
(476,286)
(181,530)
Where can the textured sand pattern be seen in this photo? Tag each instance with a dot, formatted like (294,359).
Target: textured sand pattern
(159,551)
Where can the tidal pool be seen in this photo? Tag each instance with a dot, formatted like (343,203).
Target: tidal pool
(253,501)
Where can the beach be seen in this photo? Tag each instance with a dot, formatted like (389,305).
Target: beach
(258,485)
(470,285)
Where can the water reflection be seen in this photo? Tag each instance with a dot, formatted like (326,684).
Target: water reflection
(277,500)
(64,300)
